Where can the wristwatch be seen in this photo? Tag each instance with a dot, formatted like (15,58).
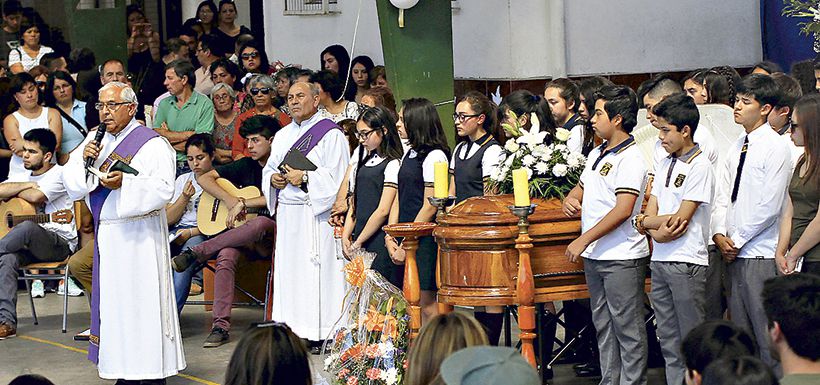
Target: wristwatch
(304,177)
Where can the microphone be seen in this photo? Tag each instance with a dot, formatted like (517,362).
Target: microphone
(98,137)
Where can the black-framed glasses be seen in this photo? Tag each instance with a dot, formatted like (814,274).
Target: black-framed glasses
(111,106)
(264,90)
(250,55)
(460,116)
(362,135)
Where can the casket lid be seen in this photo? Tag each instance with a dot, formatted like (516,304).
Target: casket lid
(493,210)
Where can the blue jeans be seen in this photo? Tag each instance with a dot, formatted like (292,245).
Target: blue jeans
(182,281)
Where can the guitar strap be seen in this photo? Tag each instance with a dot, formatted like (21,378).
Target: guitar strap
(124,151)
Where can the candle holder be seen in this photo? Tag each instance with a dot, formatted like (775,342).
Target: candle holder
(441,205)
(525,284)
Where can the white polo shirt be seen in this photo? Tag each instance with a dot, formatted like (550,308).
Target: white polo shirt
(607,173)
(687,178)
(753,220)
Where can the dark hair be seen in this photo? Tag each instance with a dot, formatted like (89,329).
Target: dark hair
(679,110)
(481,104)
(27,24)
(225,2)
(367,62)
(348,126)
(768,66)
(263,125)
(739,371)
(383,97)
(330,83)
(229,67)
(380,118)
(290,73)
(695,76)
(713,340)
(569,91)
(174,44)
(30,379)
(809,108)
(49,94)
(81,59)
(304,72)
(269,355)
(343,58)
(11,7)
(720,85)
(44,137)
(789,91)
(376,72)
(210,4)
(19,81)
(109,61)
(658,87)
(817,63)
(588,87)
(620,100)
(524,102)
(202,141)
(761,87)
(793,301)
(264,66)
(182,68)
(803,72)
(423,127)
(50,58)
(211,43)
(133,8)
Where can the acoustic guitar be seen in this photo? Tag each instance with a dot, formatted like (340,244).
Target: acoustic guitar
(17,210)
(212,213)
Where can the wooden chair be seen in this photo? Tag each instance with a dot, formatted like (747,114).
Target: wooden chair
(53,266)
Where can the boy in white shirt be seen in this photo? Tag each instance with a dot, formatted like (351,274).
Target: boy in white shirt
(677,218)
(615,254)
(751,188)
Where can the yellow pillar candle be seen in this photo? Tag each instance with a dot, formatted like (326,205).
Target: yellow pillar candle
(441,175)
(521,187)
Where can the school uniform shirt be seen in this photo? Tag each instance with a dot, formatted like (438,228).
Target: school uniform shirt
(786,134)
(188,218)
(620,170)
(752,221)
(702,137)
(478,169)
(575,125)
(689,177)
(391,171)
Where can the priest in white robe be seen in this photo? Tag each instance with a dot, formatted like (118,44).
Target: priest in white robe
(137,336)
(308,282)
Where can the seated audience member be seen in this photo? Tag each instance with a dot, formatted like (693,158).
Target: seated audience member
(185,113)
(262,90)
(303,76)
(332,104)
(253,59)
(40,75)
(269,353)
(30,51)
(485,365)
(176,49)
(378,77)
(360,69)
(227,72)
(181,212)
(284,78)
(792,304)
(799,222)
(9,31)
(30,242)
(781,116)
(442,336)
(711,341)
(206,14)
(254,238)
(112,70)
(226,29)
(745,370)
(54,62)
(379,96)
(225,117)
(207,52)
(61,94)
(240,41)
(766,67)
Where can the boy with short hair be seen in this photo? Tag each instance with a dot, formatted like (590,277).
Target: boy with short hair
(751,188)
(678,219)
(781,116)
(615,254)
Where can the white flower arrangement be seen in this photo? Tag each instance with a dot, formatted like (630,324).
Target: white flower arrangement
(553,170)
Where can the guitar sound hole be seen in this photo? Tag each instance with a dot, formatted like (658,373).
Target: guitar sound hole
(9,220)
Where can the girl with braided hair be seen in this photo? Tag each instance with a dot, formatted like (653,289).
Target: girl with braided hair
(719,83)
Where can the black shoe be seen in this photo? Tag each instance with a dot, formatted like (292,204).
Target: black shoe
(218,337)
(183,261)
(589,369)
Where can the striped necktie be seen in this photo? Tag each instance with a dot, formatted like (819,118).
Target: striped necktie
(740,167)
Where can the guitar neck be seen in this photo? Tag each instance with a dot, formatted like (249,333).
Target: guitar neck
(257,210)
(36,218)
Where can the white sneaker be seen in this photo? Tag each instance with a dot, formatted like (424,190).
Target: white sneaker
(73,289)
(37,289)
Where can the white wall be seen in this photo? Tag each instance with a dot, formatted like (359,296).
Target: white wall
(629,36)
(300,39)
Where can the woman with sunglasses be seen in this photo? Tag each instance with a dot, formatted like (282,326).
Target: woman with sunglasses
(253,59)
(262,90)
(377,178)
(29,115)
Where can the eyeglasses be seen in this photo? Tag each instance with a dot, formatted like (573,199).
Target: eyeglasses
(460,116)
(111,106)
(362,135)
(250,55)
(222,97)
(264,90)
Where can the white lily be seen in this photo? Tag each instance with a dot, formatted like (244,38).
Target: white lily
(533,136)
(562,134)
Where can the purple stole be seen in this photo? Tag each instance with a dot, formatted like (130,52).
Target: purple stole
(124,151)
